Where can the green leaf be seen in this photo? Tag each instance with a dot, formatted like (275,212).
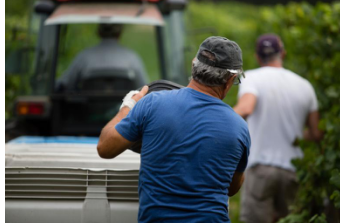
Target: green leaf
(335,179)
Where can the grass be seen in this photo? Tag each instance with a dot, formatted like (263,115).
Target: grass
(234,208)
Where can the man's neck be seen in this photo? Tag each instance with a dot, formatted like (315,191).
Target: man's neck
(216,92)
(276,63)
(109,40)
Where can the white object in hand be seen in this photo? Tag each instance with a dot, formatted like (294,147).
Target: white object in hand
(128,101)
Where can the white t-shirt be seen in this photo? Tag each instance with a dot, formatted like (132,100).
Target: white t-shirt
(284,100)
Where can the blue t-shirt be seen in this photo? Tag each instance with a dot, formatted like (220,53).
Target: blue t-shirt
(192,145)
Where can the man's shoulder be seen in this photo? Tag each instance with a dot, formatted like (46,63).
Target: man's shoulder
(86,52)
(231,117)
(240,128)
(256,71)
(242,123)
(299,79)
(255,74)
(266,72)
(157,95)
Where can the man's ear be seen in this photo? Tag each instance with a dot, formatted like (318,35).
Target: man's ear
(283,55)
(259,61)
(192,62)
(229,84)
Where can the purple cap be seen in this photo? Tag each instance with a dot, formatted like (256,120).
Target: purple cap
(268,45)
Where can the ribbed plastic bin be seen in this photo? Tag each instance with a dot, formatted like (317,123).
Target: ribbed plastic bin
(66,181)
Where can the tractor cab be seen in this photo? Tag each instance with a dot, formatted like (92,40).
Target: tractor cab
(153,28)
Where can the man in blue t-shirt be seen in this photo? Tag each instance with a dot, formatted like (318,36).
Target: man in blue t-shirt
(195,147)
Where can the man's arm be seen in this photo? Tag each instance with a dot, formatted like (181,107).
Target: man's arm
(245,105)
(312,133)
(236,183)
(111,143)
(238,177)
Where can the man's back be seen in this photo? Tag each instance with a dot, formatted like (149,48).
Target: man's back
(284,100)
(192,145)
(195,147)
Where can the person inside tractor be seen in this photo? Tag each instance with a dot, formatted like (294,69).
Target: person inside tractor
(108,59)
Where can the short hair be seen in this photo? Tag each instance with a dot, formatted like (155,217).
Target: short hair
(109,30)
(209,75)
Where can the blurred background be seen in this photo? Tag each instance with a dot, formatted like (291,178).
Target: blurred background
(310,31)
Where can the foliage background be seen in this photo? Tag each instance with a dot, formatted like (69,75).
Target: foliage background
(311,34)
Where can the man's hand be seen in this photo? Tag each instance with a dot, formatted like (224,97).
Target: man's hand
(132,97)
(111,143)
(141,94)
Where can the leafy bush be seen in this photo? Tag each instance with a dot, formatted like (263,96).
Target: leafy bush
(311,37)
(312,41)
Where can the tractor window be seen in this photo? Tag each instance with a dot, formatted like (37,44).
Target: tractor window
(75,39)
(142,39)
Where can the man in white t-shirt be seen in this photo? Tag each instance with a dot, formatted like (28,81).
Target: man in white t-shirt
(278,104)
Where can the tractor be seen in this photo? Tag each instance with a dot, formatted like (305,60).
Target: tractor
(52,170)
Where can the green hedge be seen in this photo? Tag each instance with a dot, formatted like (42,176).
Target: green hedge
(311,35)
(312,39)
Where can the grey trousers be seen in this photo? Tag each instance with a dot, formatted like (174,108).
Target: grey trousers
(266,194)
